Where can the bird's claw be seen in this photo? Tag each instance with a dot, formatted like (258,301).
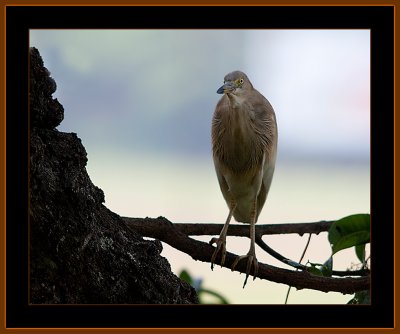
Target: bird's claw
(252,260)
(220,247)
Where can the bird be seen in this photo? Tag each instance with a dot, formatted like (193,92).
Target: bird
(244,137)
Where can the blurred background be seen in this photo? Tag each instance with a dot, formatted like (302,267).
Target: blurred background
(142,103)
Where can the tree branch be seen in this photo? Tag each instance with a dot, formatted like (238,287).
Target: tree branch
(241,230)
(173,234)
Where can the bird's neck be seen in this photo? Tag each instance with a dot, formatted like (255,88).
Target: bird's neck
(239,140)
(236,101)
(240,115)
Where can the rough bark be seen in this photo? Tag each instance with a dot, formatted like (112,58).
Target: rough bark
(80,251)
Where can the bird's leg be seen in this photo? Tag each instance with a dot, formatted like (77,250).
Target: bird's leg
(221,241)
(251,255)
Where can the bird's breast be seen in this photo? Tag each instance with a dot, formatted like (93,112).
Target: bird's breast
(239,145)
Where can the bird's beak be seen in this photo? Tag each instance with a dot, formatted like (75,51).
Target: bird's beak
(226,88)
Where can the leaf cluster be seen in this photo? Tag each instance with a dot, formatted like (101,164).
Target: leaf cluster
(351,231)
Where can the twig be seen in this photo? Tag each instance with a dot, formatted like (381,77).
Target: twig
(301,259)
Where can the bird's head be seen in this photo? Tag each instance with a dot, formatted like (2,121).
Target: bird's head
(235,83)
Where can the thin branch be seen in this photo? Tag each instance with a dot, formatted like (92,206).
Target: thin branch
(276,255)
(165,231)
(297,265)
(301,259)
(305,248)
(241,230)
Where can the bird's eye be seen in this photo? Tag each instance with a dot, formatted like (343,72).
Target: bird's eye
(241,81)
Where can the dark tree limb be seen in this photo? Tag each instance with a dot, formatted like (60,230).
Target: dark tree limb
(241,230)
(176,235)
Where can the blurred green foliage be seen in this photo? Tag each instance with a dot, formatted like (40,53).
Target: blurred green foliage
(201,291)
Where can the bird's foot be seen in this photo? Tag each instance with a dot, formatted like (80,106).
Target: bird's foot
(220,248)
(252,260)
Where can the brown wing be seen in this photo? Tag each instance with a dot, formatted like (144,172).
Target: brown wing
(217,131)
(269,133)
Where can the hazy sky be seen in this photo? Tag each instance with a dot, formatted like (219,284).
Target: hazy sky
(155,90)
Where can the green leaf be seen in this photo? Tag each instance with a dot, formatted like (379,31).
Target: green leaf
(222,299)
(313,269)
(197,284)
(326,268)
(360,252)
(351,240)
(185,276)
(349,231)
(321,269)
